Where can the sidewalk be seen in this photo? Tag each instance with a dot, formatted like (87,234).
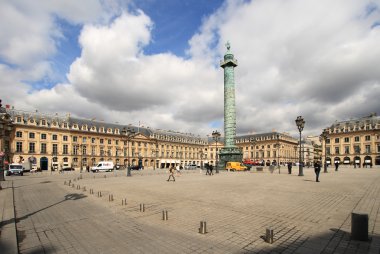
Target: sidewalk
(8,239)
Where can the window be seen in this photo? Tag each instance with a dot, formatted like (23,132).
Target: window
(336,140)
(31,135)
(55,137)
(32,147)
(268,146)
(328,141)
(19,134)
(65,149)
(93,150)
(268,153)
(368,148)
(346,139)
(75,149)
(109,141)
(75,139)
(55,149)
(18,147)
(43,122)
(93,140)
(65,138)
(357,138)
(101,141)
(18,119)
(84,139)
(43,147)
(117,142)
(378,148)
(43,135)
(101,151)
(357,149)
(336,150)
(328,151)
(368,138)
(346,149)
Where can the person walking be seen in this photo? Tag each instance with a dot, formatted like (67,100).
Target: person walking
(289,168)
(317,170)
(207,169)
(178,169)
(171,174)
(211,168)
(336,165)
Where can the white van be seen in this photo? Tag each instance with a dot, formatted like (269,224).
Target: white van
(15,169)
(103,166)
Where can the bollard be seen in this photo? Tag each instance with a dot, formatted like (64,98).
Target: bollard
(124,201)
(105,176)
(91,191)
(202,228)
(94,177)
(99,194)
(73,185)
(359,226)
(269,235)
(142,207)
(110,197)
(69,182)
(164,214)
(81,177)
(84,188)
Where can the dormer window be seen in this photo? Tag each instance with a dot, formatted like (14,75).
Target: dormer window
(18,119)
(43,122)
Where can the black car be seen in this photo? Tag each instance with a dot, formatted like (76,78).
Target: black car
(135,167)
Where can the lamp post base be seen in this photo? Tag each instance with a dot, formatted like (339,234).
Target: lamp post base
(129,171)
(300,171)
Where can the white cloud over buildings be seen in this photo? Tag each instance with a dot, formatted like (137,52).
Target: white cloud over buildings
(319,59)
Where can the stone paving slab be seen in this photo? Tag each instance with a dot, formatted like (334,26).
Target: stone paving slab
(307,217)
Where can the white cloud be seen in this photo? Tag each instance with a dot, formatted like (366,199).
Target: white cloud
(317,58)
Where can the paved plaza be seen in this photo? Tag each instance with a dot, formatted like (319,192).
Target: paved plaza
(306,216)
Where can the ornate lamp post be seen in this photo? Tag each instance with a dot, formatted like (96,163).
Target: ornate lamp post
(216,136)
(128,133)
(200,152)
(278,153)
(300,122)
(324,137)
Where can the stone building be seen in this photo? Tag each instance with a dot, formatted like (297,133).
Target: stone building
(355,141)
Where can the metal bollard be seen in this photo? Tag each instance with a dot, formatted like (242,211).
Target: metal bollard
(142,207)
(269,235)
(164,214)
(202,228)
(99,194)
(124,201)
(359,226)
(75,180)
(84,188)
(110,197)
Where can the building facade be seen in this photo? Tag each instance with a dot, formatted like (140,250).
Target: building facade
(353,142)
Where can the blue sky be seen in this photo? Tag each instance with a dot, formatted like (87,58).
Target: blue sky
(175,22)
(160,66)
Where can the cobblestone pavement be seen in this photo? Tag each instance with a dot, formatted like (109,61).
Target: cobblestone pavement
(306,216)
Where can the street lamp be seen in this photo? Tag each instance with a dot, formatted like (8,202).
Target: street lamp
(300,122)
(324,137)
(128,133)
(200,152)
(216,136)
(278,153)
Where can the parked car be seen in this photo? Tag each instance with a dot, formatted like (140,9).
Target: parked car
(135,167)
(235,166)
(191,166)
(15,169)
(68,169)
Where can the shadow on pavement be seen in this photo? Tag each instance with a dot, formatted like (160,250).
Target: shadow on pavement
(333,241)
(72,196)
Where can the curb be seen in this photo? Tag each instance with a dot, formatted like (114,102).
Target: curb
(8,235)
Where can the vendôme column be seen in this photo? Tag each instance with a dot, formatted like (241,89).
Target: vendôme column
(230,152)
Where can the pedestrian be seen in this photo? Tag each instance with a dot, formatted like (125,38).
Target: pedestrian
(211,168)
(178,169)
(88,168)
(317,170)
(207,169)
(336,165)
(171,174)
(289,168)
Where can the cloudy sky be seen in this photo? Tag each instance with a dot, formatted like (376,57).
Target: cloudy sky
(157,61)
